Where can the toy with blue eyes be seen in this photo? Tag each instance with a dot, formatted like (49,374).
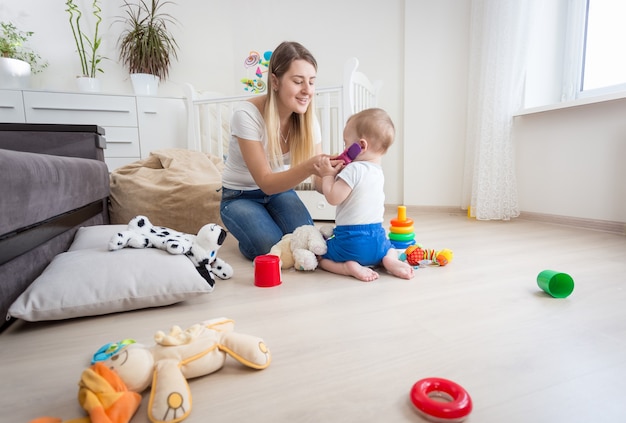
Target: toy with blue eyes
(108,350)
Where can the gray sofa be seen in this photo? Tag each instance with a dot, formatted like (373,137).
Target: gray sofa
(54,180)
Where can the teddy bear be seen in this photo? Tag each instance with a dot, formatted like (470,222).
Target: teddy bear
(201,249)
(177,356)
(301,248)
(282,249)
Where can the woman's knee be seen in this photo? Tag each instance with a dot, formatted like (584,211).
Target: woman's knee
(256,233)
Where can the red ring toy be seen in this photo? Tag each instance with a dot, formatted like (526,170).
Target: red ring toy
(456,410)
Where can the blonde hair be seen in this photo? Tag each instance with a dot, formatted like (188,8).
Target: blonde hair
(375,126)
(302,145)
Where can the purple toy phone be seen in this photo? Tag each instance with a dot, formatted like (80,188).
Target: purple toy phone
(349,153)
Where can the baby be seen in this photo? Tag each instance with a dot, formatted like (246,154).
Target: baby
(359,240)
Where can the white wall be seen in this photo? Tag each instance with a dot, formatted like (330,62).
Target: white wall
(572,162)
(569,161)
(435,100)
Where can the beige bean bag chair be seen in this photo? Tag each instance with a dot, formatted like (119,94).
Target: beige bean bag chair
(176,188)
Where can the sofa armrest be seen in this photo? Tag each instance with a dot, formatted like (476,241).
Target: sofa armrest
(84,141)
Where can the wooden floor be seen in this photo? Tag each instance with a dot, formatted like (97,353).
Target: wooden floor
(349,351)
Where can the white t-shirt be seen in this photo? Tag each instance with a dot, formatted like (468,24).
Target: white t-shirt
(366,203)
(248,123)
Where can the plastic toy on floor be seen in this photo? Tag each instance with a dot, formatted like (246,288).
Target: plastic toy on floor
(416,255)
(402,231)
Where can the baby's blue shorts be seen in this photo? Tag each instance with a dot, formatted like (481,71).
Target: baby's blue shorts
(365,244)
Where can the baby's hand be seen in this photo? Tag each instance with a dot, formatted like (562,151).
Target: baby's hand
(326,167)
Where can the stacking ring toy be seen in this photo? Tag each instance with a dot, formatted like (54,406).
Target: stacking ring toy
(402,229)
(402,245)
(401,237)
(454,403)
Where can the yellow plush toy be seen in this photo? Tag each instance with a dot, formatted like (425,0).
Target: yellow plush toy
(177,356)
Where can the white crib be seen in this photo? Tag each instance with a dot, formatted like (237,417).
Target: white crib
(208,122)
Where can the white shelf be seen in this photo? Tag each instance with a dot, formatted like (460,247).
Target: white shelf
(572,103)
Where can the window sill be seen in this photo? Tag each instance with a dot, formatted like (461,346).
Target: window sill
(572,103)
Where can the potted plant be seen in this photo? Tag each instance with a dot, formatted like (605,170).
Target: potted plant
(146,44)
(87,46)
(17,60)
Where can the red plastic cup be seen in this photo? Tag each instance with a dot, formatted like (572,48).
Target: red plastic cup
(267,271)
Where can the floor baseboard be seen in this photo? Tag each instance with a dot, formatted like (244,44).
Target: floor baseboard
(618,228)
(578,222)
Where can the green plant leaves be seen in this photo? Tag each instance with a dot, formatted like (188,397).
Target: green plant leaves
(146,45)
(89,57)
(13,45)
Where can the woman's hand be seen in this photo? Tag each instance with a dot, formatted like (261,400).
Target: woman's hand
(274,182)
(335,190)
(324,166)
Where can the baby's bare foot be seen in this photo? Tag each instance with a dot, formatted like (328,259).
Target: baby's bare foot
(397,268)
(362,273)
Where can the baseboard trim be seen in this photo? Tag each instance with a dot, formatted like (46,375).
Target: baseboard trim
(618,228)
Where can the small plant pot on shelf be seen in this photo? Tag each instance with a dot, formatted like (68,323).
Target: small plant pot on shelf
(145,83)
(88,85)
(14,74)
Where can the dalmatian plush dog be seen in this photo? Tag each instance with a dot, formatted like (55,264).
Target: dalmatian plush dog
(201,249)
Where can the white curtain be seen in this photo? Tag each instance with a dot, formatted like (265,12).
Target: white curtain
(498,45)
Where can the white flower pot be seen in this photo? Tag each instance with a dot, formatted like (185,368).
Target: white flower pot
(88,85)
(14,74)
(144,83)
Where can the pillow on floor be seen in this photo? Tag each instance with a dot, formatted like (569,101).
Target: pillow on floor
(90,280)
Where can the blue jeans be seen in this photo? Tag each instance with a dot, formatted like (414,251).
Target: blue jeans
(258,221)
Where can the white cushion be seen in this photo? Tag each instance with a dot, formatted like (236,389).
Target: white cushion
(90,280)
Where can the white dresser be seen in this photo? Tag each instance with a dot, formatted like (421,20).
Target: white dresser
(134,126)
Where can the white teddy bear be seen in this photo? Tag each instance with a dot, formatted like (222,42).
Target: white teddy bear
(301,248)
(201,249)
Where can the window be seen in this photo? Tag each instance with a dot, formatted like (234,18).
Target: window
(603,67)
(576,51)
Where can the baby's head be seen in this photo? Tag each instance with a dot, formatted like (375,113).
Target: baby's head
(373,125)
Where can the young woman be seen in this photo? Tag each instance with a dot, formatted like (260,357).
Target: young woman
(274,146)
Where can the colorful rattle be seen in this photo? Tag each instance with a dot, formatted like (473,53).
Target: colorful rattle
(416,253)
(402,231)
(441,400)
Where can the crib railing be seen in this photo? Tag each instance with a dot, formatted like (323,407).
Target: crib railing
(209,120)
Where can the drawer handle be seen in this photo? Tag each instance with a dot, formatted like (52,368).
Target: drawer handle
(119,141)
(150,112)
(72,109)
(2,106)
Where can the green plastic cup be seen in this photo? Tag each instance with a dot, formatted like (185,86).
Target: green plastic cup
(557,284)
